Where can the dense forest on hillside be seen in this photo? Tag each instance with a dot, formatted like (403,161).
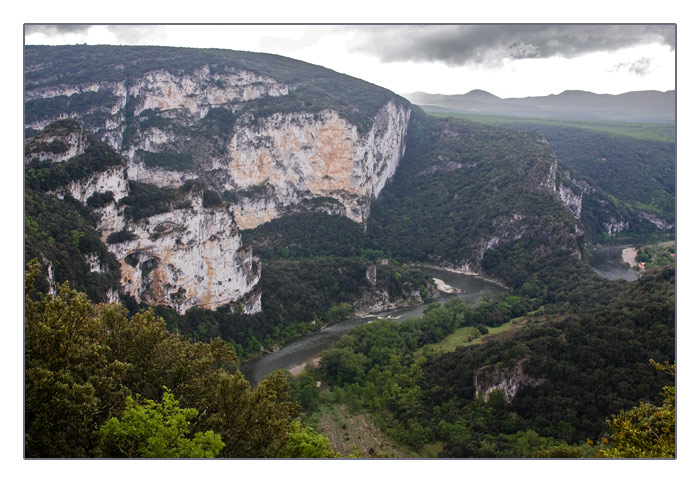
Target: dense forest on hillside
(578,355)
(62,235)
(633,166)
(461,184)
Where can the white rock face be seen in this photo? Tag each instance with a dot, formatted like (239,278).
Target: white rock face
(113,179)
(188,258)
(301,155)
(660,223)
(202,90)
(93,261)
(509,380)
(193,257)
(614,225)
(304,155)
(195,93)
(572,200)
(163,178)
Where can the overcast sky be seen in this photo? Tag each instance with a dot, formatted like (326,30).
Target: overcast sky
(507,60)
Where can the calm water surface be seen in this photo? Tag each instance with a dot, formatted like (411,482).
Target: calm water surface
(299,352)
(607,262)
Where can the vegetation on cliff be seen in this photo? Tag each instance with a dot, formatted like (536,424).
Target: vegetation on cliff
(101,383)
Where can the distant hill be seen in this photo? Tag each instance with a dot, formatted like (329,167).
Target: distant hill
(640,106)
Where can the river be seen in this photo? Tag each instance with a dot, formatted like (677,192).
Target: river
(607,262)
(295,355)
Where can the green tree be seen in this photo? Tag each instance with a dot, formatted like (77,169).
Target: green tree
(156,430)
(646,431)
(304,442)
(82,362)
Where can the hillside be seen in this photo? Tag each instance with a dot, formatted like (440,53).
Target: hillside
(627,171)
(641,106)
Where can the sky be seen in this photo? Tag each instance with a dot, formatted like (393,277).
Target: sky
(508,60)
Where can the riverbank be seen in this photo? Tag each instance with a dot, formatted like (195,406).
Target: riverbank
(296,354)
(463,271)
(629,256)
(298,369)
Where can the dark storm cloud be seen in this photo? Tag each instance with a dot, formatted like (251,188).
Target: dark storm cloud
(491,44)
(56,29)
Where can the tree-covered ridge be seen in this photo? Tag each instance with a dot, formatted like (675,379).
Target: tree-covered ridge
(580,358)
(38,142)
(315,88)
(630,166)
(647,431)
(462,185)
(639,173)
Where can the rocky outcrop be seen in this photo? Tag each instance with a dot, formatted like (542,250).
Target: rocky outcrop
(112,180)
(660,223)
(66,140)
(295,157)
(571,199)
(374,300)
(614,226)
(186,258)
(190,256)
(508,380)
(200,90)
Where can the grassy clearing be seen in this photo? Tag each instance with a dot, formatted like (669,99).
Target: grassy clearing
(460,337)
(349,432)
(465,336)
(512,324)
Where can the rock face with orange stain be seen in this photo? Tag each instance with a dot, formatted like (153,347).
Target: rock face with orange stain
(287,159)
(217,122)
(189,257)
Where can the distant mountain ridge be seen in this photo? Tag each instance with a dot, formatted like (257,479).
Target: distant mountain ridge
(637,106)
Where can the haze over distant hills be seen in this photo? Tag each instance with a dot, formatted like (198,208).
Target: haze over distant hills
(640,106)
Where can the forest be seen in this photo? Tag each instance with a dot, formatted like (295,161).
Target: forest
(579,355)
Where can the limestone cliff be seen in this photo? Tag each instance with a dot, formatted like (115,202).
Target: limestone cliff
(216,118)
(184,257)
(266,134)
(190,257)
(301,156)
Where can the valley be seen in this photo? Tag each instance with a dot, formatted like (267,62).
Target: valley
(287,250)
